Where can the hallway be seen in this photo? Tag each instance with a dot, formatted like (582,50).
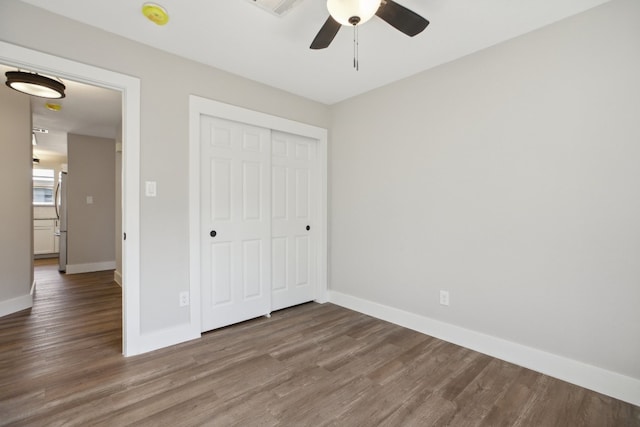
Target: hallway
(73,327)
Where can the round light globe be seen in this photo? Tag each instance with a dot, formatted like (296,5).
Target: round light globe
(343,10)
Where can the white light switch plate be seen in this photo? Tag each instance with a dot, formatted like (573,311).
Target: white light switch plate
(89,200)
(150,188)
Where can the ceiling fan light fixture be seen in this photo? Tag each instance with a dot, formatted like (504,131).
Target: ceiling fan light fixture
(344,10)
(35,84)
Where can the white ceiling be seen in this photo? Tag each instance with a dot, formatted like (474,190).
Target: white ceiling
(239,37)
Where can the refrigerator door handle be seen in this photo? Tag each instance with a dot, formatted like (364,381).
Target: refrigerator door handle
(57,201)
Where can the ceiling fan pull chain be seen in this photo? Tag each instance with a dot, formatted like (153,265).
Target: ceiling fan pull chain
(356,64)
(357,49)
(354,47)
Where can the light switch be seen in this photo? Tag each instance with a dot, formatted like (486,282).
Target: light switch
(89,200)
(150,188)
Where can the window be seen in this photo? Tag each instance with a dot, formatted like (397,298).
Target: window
(43,187)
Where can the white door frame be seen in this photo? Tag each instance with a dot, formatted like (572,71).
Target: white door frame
(130,87)
(201,106)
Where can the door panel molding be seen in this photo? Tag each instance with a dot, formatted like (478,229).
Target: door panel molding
(243,193)
(295,196)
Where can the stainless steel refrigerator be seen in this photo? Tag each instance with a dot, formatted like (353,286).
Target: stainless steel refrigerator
(61,212)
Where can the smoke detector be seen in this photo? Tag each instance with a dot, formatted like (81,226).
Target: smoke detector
(276,7)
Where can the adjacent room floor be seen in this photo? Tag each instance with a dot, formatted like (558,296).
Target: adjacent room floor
(311,365)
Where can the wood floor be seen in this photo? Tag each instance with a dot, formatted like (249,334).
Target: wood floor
(312,365)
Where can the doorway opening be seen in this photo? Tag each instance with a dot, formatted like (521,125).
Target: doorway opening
(77,167)
(129,87)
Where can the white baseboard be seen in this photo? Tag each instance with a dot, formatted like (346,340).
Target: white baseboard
(14,305)
(33,288)
(591,377)
(117,277)
(164,338)
(90,267)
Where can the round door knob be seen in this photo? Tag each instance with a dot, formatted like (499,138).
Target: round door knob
(213,233)
(308,228)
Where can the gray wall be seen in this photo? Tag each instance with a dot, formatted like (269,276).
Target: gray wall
(92,173)
(164,239)
(16,225)
(511,178)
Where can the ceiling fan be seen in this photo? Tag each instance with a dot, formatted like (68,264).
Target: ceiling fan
(357,12)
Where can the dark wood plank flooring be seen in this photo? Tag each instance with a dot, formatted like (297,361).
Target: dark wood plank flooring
(311,365)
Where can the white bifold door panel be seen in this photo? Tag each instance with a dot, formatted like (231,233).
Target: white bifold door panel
(293,250)
(235,222)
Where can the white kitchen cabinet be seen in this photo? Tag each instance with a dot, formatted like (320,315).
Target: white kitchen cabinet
(44,236)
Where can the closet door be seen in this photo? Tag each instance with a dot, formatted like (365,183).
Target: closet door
(235,222)
(294,198)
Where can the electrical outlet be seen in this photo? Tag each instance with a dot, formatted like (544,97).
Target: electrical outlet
(444,297)
(184,299)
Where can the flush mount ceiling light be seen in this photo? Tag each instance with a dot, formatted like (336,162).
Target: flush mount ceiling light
(155,13)
(35,84)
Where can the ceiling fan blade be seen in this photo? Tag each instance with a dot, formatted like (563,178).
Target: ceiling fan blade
(326,34)
(401,18)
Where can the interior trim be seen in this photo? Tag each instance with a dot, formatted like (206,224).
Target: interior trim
(90,267)
(14,305)
(573,371)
